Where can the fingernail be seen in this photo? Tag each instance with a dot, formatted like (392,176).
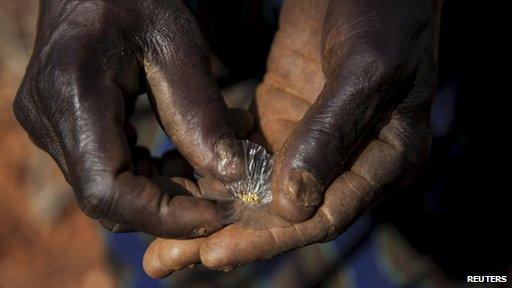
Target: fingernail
(303,187)
(201,231)
(204,231)
(227,268)
(230,163)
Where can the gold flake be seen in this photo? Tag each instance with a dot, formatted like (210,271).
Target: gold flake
(249,198)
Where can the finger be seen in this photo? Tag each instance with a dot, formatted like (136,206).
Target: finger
(173,164)
(360,67)
(398,152)
(294,75)
(323,140)
(190,107)
(213,188)
(378,165)
(237,244)
(165,256)
(144,165)
(86,116)
(107,190)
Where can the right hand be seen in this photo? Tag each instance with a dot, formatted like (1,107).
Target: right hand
(306,126)
(90,61)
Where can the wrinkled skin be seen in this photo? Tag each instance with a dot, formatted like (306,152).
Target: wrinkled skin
(345,106)
(90,61)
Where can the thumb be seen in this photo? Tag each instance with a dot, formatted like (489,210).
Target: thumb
(188,103)
(315,152)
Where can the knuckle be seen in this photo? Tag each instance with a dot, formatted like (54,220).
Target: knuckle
(38,98)
(329,141)
(20,106)
(25,109)
(30,112)
(95,196)
(173,43)
(377,58)
(373,60)
(412,140)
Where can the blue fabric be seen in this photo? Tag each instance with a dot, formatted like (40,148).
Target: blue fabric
(127,249)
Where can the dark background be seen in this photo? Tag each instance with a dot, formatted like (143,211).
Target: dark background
(458,213)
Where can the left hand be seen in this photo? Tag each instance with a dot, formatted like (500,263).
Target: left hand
(90,61)
(348,101)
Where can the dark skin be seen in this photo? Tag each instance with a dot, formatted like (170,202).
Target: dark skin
(374,56)
(344,105)
(90,60)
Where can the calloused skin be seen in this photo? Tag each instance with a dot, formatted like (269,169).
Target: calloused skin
(90,61)
(345,107)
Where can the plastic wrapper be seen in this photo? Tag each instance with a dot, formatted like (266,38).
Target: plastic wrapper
(251,195)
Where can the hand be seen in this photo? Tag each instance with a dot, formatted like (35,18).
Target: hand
(90,61)
(345,104)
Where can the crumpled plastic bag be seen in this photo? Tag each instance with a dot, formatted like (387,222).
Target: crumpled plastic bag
(252,194)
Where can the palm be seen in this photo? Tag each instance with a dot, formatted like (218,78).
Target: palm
(390,153)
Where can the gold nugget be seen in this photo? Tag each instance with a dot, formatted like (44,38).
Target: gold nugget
(249,198)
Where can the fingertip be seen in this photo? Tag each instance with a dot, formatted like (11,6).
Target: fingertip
(165,256)
(152,264)
(303,187)
(230,161)
(289,209)
(297,196)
